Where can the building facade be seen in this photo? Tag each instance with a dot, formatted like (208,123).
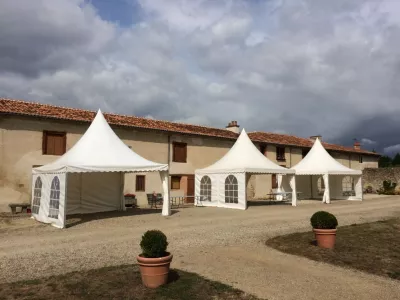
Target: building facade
(33,134)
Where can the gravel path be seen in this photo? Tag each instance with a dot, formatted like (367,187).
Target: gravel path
(221,244)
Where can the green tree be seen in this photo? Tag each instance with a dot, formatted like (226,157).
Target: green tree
(396,160)
(385,161)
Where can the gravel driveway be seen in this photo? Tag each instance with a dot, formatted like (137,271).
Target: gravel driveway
(221,244)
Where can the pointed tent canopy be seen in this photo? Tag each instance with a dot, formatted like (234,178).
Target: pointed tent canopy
(100,150)
(318,161)
(244,157)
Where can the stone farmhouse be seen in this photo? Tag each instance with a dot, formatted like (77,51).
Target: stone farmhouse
(34,134)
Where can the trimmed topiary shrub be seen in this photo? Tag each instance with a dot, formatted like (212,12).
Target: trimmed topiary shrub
(323,220)
(154,244)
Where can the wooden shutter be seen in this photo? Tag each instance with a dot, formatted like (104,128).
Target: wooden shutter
(274,181)
(175,182)
(140,183)
(179,152)
(54,143)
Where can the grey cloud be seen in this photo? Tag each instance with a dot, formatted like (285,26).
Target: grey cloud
(311,67)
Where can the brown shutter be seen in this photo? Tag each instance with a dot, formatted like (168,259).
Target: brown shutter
(179,152)
(274,182)
(140,183)
(54,143)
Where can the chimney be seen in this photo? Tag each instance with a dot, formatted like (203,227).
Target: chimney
(357,145)
(233,126)
(314,137)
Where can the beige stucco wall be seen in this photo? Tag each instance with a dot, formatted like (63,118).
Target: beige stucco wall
(21,148)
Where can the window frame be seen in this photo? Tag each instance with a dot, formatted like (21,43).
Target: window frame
(37,195)
(360,159)
(206,188)
(231,190)
(176,177)
(55,192)
(175,157)
(137,187)
(278,156)
(46,134)
(263,149)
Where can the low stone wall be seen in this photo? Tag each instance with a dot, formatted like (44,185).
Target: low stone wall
(374,177)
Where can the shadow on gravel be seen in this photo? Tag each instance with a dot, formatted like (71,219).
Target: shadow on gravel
(77,219)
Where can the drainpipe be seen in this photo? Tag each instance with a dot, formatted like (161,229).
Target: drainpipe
(290,157)
(169,164)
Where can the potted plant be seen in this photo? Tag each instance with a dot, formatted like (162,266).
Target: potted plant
(324,226)
(130,200)
(154,262)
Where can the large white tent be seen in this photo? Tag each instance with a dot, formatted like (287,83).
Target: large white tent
(89,177)
(320,175)
(223,184)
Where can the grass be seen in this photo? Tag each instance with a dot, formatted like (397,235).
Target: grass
(371,247)
(122,282)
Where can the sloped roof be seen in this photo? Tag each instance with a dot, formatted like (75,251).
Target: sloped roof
(318,161)
(291,140)
(100,150)
(244,157)
(24,108)
(64,113)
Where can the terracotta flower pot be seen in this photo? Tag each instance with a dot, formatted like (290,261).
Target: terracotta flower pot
(154,270)
(325,238)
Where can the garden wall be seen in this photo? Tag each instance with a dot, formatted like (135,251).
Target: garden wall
(375,176)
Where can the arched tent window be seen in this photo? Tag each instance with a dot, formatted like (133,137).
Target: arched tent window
(321,186)
(54,198)
(231,189)
(37,194)
(348,186)
(205,188)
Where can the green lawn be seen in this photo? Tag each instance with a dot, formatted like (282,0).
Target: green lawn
(122,282)
(371,247)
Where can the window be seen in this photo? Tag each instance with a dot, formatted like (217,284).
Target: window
(274,181)
(348,186)
(304,152)
(179,152)
(360,159)
(54,198)
(175,182)
(263,149)
(37,194)
(280,153)
(54,143)
(140,183)
(231,189)
(321,186)
(205,188)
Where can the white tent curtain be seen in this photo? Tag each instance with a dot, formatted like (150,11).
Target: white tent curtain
(279,189)
(292,182)
(326,196)
(166,209)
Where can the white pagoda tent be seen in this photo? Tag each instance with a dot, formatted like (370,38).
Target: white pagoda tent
(223,184)
(89,177)
(319,175)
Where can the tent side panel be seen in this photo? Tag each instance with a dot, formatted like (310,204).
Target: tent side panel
(100,192)
(241,188)
(303,185)
(214,179)
(74,191)
(52,200)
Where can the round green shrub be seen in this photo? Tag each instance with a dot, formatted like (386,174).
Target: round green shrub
(154,244)
(323,220)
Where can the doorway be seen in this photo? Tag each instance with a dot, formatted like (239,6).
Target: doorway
(190,189)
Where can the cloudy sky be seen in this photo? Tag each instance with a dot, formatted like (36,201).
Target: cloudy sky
(301,67)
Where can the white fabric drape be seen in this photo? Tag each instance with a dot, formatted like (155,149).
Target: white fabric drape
(326,196)
(292,182)
(166,210)
(358,188)
(279,189)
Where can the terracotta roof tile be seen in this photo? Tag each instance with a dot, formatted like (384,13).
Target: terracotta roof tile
(291,140)
(64,113)
(24,108)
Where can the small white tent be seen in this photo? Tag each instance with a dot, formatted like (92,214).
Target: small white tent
(223,184)
(320,175)
(89,177)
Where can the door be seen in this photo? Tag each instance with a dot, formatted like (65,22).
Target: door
(190,189)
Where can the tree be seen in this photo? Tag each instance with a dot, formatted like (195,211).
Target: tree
(385,162)
(396,160)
